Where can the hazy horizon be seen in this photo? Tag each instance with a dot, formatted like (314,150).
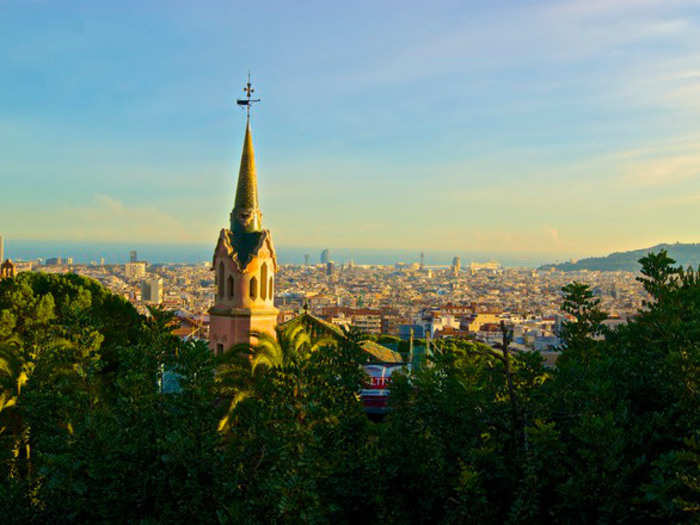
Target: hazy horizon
(84,252)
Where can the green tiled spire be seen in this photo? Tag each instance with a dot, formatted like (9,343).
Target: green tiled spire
(247,191)
(246,216)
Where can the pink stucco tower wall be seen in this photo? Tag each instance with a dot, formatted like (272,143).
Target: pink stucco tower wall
(245,264)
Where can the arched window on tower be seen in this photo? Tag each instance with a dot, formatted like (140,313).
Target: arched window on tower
(220,280)
(269,289)
(229,286)
(253,288)
(263,282)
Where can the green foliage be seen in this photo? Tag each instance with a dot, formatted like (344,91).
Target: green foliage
(274,432)
(624,403)
(298,431)
(451,449)
(580,303)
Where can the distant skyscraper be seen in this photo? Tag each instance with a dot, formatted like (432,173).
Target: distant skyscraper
(307,259)
(52,261)
(152,290)
(325,256)
(422,260)
(330,268)
(102,261)
(133,257)
(69,260)
(456,265)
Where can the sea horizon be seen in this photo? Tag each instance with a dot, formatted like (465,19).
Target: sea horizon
(85,252)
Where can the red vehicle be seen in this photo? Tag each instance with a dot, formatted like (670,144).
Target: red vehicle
(375,394)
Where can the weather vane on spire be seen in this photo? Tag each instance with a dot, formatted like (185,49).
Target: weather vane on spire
(248,102)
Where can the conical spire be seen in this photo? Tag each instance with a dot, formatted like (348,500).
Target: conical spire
(246,216)
(247,190)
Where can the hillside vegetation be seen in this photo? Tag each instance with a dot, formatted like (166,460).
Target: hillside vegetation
(684,254)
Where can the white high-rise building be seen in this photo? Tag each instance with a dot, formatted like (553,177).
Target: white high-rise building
(152,290)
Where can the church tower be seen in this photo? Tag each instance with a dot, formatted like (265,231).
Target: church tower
(244,262)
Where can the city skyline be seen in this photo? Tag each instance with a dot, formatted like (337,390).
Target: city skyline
(557,128)
(119,253)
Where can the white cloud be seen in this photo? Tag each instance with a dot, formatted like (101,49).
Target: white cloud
(107,218)
(663,171)
(602,8)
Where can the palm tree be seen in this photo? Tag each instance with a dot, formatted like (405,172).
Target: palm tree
(14,374)
(63,365)
(240,367)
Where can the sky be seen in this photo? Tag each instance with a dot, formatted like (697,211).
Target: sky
(558,128)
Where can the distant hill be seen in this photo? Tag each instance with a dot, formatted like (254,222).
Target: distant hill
(683,254)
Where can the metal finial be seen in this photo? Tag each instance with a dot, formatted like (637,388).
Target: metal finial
(248,101)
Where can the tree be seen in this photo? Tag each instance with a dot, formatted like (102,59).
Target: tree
(450,445)
(580,303)
(629,402)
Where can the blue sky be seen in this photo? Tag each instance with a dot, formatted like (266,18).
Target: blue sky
(554,127)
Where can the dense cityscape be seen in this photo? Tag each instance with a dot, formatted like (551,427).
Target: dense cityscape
(393,300)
